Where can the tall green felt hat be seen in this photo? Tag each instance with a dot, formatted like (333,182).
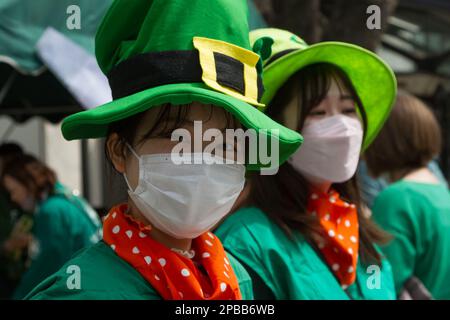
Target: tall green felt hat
(285,54)
(177,51)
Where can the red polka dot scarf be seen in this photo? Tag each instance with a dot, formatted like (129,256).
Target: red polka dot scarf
(208,276)
(340,237)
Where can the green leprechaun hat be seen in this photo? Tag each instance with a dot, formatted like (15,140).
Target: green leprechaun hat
(178,51)
(285,54)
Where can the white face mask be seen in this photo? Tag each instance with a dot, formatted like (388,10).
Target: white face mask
(330,151)
(186,200)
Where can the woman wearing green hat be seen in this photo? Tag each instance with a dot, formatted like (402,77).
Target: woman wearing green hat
(304,234)
(168,71)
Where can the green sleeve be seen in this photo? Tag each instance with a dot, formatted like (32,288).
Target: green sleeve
(56,288)
(245,282)
(53,242)
(393,212)
(245,244)
(263,292)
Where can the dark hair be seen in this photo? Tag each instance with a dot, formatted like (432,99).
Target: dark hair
(288,189)
(32,174)
(410,138)
(9,150)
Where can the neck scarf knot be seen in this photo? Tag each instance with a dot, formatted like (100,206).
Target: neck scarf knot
(339,239)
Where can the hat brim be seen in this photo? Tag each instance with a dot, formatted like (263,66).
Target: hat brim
(373,80)
(94,123)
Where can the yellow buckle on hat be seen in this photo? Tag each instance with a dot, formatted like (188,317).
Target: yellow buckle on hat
(211,49)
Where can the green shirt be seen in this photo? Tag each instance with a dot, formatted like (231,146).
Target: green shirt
(61,228)
(104,275)
(291,268)
(417,215)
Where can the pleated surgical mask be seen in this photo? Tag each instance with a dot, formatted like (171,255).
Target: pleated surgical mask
(331,149)
(186,200)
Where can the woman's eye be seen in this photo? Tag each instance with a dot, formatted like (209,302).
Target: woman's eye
(318,113)
(350,110)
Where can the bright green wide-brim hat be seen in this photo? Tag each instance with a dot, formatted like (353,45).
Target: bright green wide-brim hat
(373,80)
(178,52)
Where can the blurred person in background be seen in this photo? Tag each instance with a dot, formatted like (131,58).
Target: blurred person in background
(14,231)
(415,208)
(63,223)
(370,187)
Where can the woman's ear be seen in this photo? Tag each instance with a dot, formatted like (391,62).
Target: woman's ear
(114,148)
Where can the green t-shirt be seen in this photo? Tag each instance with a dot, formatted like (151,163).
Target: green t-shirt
(61,228)
(417,215)
(291,268)
(103,275)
